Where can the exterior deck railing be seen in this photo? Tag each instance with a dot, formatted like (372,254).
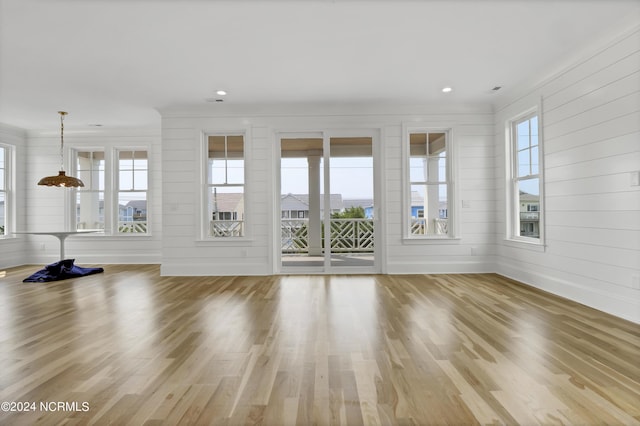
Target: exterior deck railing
(351,235)
(124,226)
(423,226)
(132,227)
(347,236)
(294,235)
(226,228)
(531,216)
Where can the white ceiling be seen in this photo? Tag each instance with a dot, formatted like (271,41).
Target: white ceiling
(115,62)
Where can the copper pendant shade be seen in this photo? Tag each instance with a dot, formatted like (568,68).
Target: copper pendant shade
(61,180)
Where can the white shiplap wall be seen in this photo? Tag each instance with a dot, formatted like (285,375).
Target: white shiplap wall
(184,253)
(591,127)
(473,250)
(46,206)
(13,251)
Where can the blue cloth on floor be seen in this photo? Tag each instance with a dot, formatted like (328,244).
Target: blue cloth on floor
(61,270)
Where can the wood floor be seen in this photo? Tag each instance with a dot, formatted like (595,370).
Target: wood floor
(131,347)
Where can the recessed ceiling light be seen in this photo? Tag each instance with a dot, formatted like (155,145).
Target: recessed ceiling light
(221,92)
(446,89)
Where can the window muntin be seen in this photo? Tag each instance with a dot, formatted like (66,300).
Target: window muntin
(525,180)
(133,178)
(225,186)
(429,184)
(90,201)
(4,199)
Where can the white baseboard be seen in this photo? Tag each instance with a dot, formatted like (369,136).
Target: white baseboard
(454,267)
(602,300)
(100,259)
(12,253)
(12,262)
(209,269)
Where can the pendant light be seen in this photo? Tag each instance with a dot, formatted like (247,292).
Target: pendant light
(61,180)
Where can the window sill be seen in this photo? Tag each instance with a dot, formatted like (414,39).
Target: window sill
(525,244)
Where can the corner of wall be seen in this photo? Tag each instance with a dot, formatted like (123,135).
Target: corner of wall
(590,131)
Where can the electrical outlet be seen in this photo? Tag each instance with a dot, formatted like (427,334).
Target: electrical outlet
(635,178)
(42,246)
(635,282)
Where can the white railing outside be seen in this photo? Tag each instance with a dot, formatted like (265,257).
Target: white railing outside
(347,235)
(351,235)
(226,228)
(423,226)
(132,227)
(124,226)
(294,235)
(93,225)
(533,216)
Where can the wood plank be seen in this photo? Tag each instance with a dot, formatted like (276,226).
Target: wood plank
(370,349)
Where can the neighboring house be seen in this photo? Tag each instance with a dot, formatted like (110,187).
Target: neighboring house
(417,207)
(134,210)
(296,206)
(529,215)
(227,206)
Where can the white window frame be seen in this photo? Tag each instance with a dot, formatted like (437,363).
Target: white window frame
(452,193)
(512,195)
(73,219)
(9,155)
(117,190)
(111,189)
(205,219)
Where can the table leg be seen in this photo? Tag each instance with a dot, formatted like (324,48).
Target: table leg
(61,238)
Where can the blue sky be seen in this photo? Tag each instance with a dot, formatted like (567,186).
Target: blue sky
(352,177)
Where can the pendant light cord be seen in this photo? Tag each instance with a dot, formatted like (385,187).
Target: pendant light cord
(62,114)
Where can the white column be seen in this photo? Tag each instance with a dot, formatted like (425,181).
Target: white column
(315,221)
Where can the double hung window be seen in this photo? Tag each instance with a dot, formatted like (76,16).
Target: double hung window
(132,191)
(90,200)
(526,182)
(225,186)
(115,195)
(429,189)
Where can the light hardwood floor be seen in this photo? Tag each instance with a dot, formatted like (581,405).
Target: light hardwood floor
(141,349)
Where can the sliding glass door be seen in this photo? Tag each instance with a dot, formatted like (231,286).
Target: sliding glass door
(327,203)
